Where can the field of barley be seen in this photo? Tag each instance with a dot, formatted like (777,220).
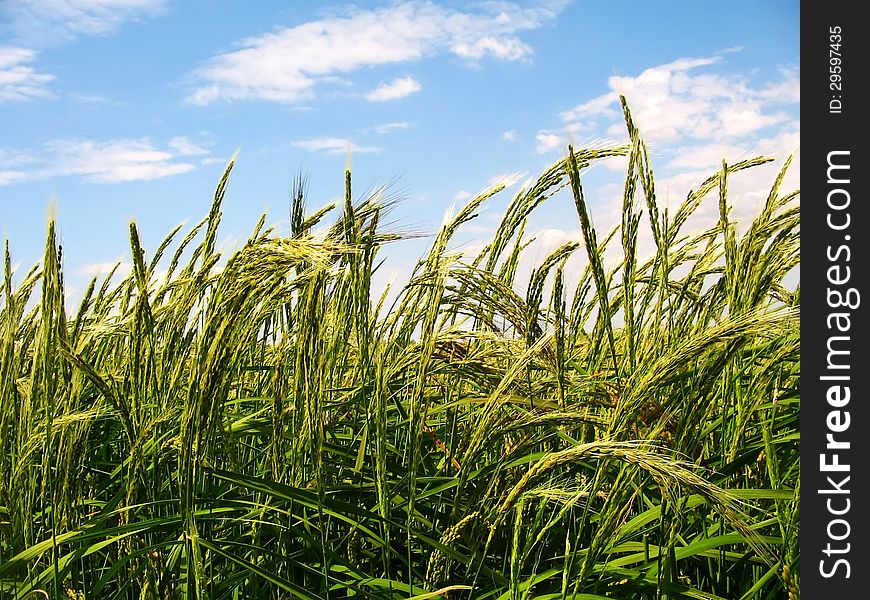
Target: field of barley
(268,424)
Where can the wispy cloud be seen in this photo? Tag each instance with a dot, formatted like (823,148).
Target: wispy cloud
(114,161)
(287,65)
(10,176)
(787,90)
(104,268)
(185,147)
(333,145)
(705,156)
(689,165)
(18,80)
(36,24)
(398,88)
(510,136)
(95,99)
(384,128)
(98,161)
(504,48)
(16,158)
(14,166)
(48,22)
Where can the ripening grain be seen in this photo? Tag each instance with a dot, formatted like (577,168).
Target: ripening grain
(260,426)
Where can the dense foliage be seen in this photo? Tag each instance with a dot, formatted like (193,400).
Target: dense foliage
(261,426)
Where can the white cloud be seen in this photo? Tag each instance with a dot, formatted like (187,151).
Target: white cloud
(398,88)
(510,136)
(185,147)
(18,80)
(46,22)
(477,229)
(788,90)
(786,141)
(88,98)
(11,163)
(600,106)
(547,142)
(114,161)
(461,195)
(104,268)
(549,239)
(391,127)
(15,158)
(705,156)
(288,64)
(505,48)
(99,161)
(333,145)
(618,164)
(8,177)
(675,100)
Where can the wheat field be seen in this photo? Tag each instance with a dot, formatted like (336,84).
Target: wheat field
(268,424)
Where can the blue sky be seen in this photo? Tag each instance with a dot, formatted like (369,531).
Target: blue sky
(115,110)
